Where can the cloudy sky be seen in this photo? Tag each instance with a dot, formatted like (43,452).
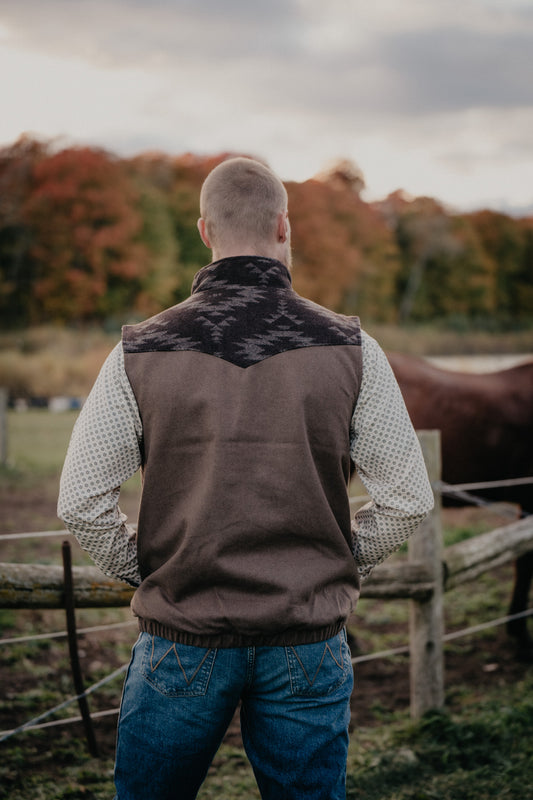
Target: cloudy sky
(431,96)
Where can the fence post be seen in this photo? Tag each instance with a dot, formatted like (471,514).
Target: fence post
(426,624)
(73,650)
(3,426)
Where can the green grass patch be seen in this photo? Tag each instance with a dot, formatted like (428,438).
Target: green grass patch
(64,771)
(38,441)
(454,535)
(485,752)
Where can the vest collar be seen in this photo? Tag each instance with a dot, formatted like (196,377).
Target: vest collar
(242,271)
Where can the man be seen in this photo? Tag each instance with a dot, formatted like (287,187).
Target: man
(243,406)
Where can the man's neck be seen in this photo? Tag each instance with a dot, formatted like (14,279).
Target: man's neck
(281,253)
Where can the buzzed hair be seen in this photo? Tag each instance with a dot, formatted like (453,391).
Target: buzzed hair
(240,201)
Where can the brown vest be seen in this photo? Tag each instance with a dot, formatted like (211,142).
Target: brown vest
(246,393)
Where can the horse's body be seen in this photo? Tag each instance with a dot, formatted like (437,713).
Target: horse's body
(486,424)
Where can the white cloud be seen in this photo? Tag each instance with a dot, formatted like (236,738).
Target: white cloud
(428,96)
(67,96)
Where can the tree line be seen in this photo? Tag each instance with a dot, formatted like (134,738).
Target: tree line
(86,237)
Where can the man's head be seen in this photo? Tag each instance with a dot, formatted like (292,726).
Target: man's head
(244,211)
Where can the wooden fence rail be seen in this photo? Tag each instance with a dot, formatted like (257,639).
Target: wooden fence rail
(422,579)
(466,560)
(41,585)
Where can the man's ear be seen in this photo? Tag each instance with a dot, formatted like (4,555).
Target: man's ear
(203,232)
(283,227)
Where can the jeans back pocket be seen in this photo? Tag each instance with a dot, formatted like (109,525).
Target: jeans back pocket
(317,670)
(177,670)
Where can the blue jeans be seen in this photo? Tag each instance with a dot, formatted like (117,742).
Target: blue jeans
(179,700)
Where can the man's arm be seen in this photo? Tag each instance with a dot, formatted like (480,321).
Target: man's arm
(104,452)
(389,462)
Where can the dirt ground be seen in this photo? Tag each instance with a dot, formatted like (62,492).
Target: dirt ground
(381,686)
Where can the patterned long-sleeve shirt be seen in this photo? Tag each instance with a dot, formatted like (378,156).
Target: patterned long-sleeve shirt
(106,446)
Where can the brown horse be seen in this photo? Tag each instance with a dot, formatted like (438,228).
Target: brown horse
(486,424)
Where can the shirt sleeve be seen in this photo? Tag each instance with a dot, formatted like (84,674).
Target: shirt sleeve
(387,456)
(104,451)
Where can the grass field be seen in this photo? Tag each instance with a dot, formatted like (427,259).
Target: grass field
(479,746)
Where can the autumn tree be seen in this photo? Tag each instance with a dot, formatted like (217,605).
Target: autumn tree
(444,272)
(189,173)
(344,255)
(88,260)
(152,176)
(87,236)
(176,183)
(508,244)
(525,273)
(17,163)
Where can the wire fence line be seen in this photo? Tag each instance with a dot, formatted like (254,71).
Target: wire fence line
(36,723)
(56,723)
(448,637)
(461,491)
(491,484)
(64,634)
(33,723)
(34,535)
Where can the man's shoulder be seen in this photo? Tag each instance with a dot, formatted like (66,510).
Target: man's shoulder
(154,332)
(322,318)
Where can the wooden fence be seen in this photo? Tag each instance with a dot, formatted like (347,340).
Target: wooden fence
(428,572)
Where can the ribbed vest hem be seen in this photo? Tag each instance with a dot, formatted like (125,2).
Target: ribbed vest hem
(224,640)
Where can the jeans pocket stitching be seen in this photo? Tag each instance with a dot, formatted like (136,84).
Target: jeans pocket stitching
(194,686)
(300,680)
(308,679)
(152,668)
(187,680)
(340,661)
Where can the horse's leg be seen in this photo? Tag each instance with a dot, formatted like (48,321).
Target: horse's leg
(518,628)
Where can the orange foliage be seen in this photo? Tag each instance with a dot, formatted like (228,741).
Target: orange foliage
(85,235)
(343,252)
(86,226)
